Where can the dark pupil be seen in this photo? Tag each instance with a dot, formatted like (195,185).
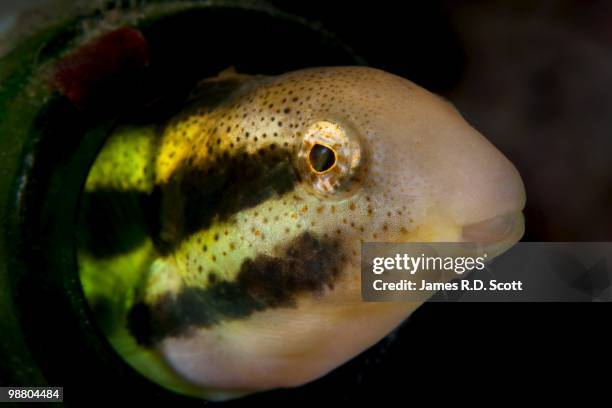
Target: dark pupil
(322,158)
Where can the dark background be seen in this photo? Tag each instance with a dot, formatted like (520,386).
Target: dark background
(535,77)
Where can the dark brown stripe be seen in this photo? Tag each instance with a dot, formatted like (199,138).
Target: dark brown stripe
(196,195)
(193,198)
(308,265)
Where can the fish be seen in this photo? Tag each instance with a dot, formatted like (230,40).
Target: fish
(221,250)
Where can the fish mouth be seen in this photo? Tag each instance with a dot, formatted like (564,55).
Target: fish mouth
(494,236)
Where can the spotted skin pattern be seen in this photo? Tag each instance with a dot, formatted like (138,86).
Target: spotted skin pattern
(253,253)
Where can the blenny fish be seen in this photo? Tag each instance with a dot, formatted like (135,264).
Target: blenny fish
(222,247)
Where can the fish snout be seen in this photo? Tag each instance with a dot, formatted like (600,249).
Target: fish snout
(489,200)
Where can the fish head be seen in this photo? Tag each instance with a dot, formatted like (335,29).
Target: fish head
(396,163)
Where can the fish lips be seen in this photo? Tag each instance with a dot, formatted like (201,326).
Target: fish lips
(495,235)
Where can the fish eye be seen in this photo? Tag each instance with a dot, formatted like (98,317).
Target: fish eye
(331,160)
(322,158)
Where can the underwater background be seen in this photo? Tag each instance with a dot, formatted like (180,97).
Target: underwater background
(535,77)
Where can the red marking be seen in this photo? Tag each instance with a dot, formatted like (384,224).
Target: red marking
(77,74)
